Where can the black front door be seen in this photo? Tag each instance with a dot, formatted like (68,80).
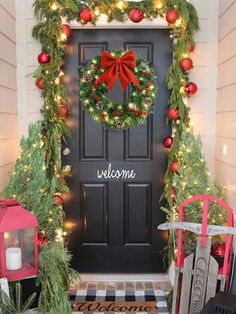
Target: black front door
(113,220)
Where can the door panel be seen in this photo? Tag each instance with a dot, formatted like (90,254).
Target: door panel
(138,214)
(144,150)
(93,139)
(113,219)
(94,214)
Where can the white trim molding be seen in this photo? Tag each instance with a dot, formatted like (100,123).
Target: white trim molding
(103,24)
(125,277)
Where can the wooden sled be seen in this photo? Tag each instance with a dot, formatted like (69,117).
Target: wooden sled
(196,275)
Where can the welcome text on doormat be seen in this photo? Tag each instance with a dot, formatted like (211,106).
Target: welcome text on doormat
(150,307)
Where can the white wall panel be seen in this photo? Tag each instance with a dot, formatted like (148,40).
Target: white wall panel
(225,150)
(8,90)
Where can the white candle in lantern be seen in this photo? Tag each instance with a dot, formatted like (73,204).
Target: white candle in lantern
(13,258)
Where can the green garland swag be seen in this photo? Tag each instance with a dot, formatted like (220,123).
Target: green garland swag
(118,116)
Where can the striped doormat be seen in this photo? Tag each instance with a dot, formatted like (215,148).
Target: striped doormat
(109,299)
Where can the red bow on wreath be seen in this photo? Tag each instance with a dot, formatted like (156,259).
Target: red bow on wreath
(115,67)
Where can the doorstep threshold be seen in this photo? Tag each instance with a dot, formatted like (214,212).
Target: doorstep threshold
(125,277)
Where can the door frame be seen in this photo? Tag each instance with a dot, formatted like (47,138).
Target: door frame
(101,23)
(157,23)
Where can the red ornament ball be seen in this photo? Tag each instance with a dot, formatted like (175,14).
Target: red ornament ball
(149,87)
(66,30)
(191,47)
(40,83)
(173,194)
(41,240)
(86,15)
(64,111)
(44,57)
(174,166)
(218,249)
(173,114)
(58,199)
(186,64)
(136,15)
(168,142)
(191,88)
(63,180)
(172,16)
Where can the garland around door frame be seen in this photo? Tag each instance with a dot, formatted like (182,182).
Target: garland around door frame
(47,186)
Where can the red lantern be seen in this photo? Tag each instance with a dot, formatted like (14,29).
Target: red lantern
(174,166)
(40,83)
(172,16)
(186,64)
(136,15)
(173,114)
(44,57)
(191,88)
(64,112)
(168,142)
(86,15)
(66,30)
(58,199)
(18,237)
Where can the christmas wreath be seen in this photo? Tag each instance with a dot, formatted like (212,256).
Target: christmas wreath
(100,75)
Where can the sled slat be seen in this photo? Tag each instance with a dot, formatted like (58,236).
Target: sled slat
(212,279)
(186,284)
(176,290)
(200,276)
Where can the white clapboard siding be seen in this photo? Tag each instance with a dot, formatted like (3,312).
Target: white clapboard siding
(7,50)
(7,155)
(4,170)
(8,90)
(8,100)
(7,23)
(8,126)
(9,6)
(227,20)
(225,47)
(227,174)
(225,152)
(225,5)
(225,124)
(201,7)
(226,98)
(7,75)
(227,73)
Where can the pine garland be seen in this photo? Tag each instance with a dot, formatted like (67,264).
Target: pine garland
(13,304)
(191,179)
